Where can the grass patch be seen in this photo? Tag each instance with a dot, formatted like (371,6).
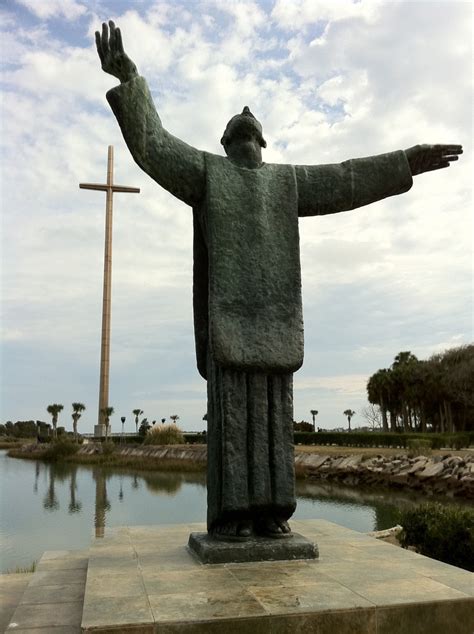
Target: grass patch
(60,450)
(164,435)
(419,447)
(22,569)
(137,463)
(15,442)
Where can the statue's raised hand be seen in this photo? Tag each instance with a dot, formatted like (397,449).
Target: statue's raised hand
(425,158)
(113,58)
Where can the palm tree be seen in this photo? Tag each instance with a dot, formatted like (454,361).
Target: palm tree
(349,413)
(54,410)
(174,418)
(107,413)
(137,412)
(378,391)
(314,413)
(77,408)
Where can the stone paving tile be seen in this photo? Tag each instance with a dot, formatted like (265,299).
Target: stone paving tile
(190,581)
(117,563)
(117,584)
(395,591)
(62,564)
(62,577)
(346,553)
(204,605)
(116,611)
(46,615)
(458,581)
(317,596)
(12,588)
(108,545)
(351,575)
(53,594)
(177,560)
(276,573)
(434,567)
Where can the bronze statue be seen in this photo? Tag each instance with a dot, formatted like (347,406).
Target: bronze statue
(247,283)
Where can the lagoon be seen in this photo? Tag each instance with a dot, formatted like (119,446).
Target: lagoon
(48,506)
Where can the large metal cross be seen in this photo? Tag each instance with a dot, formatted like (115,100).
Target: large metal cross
(110,188)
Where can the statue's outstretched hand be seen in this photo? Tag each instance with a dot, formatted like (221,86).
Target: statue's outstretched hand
(425,158)
(113,58)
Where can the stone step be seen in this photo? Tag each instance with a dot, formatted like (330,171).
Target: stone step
(53,597)
(12,587)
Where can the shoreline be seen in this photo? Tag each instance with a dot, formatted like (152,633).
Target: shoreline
(447,473)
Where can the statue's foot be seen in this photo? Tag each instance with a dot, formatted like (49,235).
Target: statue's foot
(232,531)
(274,527)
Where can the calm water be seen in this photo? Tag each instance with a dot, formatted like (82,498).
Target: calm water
(59,507)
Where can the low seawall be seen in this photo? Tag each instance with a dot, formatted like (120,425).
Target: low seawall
(442,474)
(185,453)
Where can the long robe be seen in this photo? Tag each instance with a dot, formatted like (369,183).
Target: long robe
(247,292)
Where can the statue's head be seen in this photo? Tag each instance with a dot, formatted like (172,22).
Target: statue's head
(243,127)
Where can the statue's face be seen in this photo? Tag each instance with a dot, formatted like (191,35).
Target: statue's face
(243,127)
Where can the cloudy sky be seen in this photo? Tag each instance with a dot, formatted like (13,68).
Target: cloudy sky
(330,81)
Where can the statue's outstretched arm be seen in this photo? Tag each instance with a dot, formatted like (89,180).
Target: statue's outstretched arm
(329,189)
(175,165)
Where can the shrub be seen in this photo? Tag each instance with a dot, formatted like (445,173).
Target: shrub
(419,447)
(302,426)
(195,439)
(108,448)
(379,439)
(442,532)
(164,435)
(457,441)
(60,449)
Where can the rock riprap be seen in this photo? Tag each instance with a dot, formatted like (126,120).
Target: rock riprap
(441,474)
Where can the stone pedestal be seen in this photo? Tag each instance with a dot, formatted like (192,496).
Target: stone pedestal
(99,431)
(210,550)
(145,580)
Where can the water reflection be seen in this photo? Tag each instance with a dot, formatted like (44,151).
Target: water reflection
(380,504)
(50,501)
(75,505)
(315,499)
(168,484)
(37,473)
(102,503)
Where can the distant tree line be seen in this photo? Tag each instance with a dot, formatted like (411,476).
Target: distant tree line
(433,395)
(26,428)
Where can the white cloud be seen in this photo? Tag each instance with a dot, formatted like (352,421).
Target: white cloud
(346,384)
(296,14)
(46,9)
